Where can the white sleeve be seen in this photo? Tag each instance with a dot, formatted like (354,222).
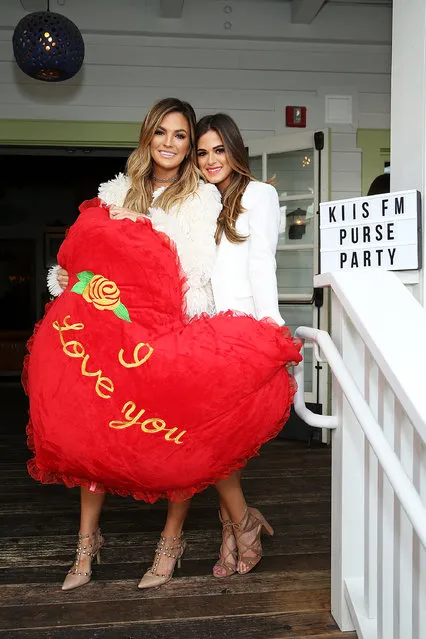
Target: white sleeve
(264,222)
(52,281)
(114,191)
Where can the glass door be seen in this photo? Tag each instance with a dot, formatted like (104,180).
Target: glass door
(299,172)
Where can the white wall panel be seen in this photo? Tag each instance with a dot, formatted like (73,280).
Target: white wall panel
(344,195)
(375,102)
(343,141)
(252,70)
(350,160)
(346,180)
(374,120)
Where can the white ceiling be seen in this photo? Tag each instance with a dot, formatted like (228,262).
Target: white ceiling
(303,11)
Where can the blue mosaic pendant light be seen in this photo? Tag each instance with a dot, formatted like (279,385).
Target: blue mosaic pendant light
(48,46)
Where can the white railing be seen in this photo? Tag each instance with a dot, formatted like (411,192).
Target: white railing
(378,453)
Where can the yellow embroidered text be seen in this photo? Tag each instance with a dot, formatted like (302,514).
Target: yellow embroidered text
(152,425)
(104,386)
(136,361)
(74,348)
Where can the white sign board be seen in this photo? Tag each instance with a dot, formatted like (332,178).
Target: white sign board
(374,231)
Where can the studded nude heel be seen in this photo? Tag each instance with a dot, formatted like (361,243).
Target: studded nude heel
(227,564)
(172,547)
(89,545)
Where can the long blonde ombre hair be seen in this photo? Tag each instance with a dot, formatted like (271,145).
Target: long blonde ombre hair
(140,167)
(241,175)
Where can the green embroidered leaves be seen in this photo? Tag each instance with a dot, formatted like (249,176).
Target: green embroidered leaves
(102,293)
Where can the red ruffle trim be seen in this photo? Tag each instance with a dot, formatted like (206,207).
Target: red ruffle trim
(24,375)
(47,477)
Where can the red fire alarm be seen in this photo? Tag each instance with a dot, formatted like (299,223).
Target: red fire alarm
(295,116)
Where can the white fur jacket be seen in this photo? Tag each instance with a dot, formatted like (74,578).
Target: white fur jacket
(191,226)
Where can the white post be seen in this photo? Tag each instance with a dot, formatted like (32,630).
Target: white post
(408,110)
(347,507)
(408,171)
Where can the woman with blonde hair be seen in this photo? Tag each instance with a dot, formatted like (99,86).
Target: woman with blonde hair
(228,367)
(161,172)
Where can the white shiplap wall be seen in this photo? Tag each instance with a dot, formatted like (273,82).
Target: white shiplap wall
(251,70)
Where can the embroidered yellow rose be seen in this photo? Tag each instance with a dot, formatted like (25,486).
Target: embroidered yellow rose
(102,293)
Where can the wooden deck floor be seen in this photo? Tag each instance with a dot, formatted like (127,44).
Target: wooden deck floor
(286,597)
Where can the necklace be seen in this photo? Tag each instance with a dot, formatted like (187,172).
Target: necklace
(160,179)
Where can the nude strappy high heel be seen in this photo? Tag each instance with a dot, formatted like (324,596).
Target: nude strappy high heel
(247,534)
(227,563)
(89,545)
(172,547)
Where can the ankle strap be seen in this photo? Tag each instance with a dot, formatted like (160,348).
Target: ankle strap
(225,522)
(179,538)
(166,547)
(88,535)
(243,520)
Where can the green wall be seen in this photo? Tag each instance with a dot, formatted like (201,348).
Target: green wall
(68,133)
(375,145)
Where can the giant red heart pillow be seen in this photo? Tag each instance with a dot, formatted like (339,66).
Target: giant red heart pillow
(128,395)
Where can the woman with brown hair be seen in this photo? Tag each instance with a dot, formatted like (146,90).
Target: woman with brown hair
(244,279)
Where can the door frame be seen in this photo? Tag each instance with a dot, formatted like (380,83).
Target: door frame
(296,141)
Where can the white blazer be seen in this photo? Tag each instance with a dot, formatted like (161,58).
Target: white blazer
(244,275)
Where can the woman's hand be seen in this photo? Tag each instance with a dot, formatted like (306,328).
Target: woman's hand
(121,213)
(291,364)
(63,279)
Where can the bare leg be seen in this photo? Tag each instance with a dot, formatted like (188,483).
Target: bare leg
(176,515)
(91,507)
(232,501)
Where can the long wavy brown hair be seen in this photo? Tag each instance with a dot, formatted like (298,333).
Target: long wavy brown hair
(241,175)
(140,166)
